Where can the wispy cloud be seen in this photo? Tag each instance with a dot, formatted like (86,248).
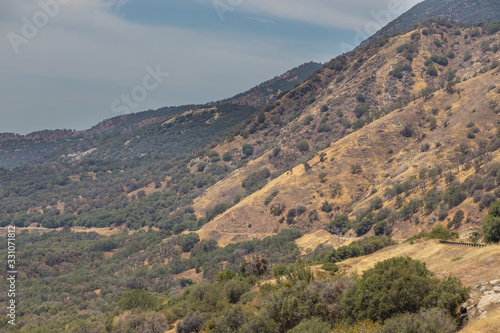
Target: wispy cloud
(70,73)
(261,20)
(336,14)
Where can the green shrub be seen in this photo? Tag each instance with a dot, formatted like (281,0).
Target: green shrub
(360,98)
(255,181)
(326,207)
(226,157)
(400,285)
(234,289)
(432,320)
(247,149)
(217,210)
(138,298)
(358,123)
(356,169)
(313,325)
(340,223)
(324,128)
(491,224)
(407,131)
(399,69)
(330,267)
(410,48)
(201,166)
(432,70)
(303,145)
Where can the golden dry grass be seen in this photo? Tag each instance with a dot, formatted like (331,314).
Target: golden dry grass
(475,266)
(488,324)
(191,274)
(311,241)
(369,146)
(225,238)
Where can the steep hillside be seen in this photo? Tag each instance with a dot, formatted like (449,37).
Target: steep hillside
(34,147)
(432,132)
(464,11)
(267,92)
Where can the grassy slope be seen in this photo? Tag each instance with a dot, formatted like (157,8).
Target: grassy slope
(475,266)
(368,146)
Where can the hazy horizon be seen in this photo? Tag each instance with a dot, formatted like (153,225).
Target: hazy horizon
(69,64)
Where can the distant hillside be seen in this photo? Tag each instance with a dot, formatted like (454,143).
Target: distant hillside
(34,147)
(464,11)
(269,91)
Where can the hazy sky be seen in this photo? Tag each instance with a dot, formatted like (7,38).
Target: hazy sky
(72,63)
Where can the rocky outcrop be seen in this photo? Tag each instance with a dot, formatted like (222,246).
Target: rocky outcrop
(483,297)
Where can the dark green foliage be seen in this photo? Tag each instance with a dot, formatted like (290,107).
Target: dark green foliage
(235,288)
(326,207)
(217,210)
(303,145)
(356,169)
(400,285)
(201,166)
(313,325)
(441,60)
(432,320)
(382,228)
(360,98)
(271,196)
(308,120)
(364,223)
(330,267)
(188,241)
(457,219)
(138,298)
(322,128)
(261,117)
(454,196)
(399,69)
(358,248)
(407,131)
(491,224)
(361,111)
(226,157)
(256,180)
(438,232)
(357,124)
(432,70)
(276,151)
(247,149)
(190,324)
(410,48)
(340,224)
(376,203)
(409,209)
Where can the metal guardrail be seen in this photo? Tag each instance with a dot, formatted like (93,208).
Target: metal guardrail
(461,244)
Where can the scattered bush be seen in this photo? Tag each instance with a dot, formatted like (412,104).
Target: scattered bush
(324,128)
(401,285)
(491,224)
(432,320)
(303,145)
(247,149)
